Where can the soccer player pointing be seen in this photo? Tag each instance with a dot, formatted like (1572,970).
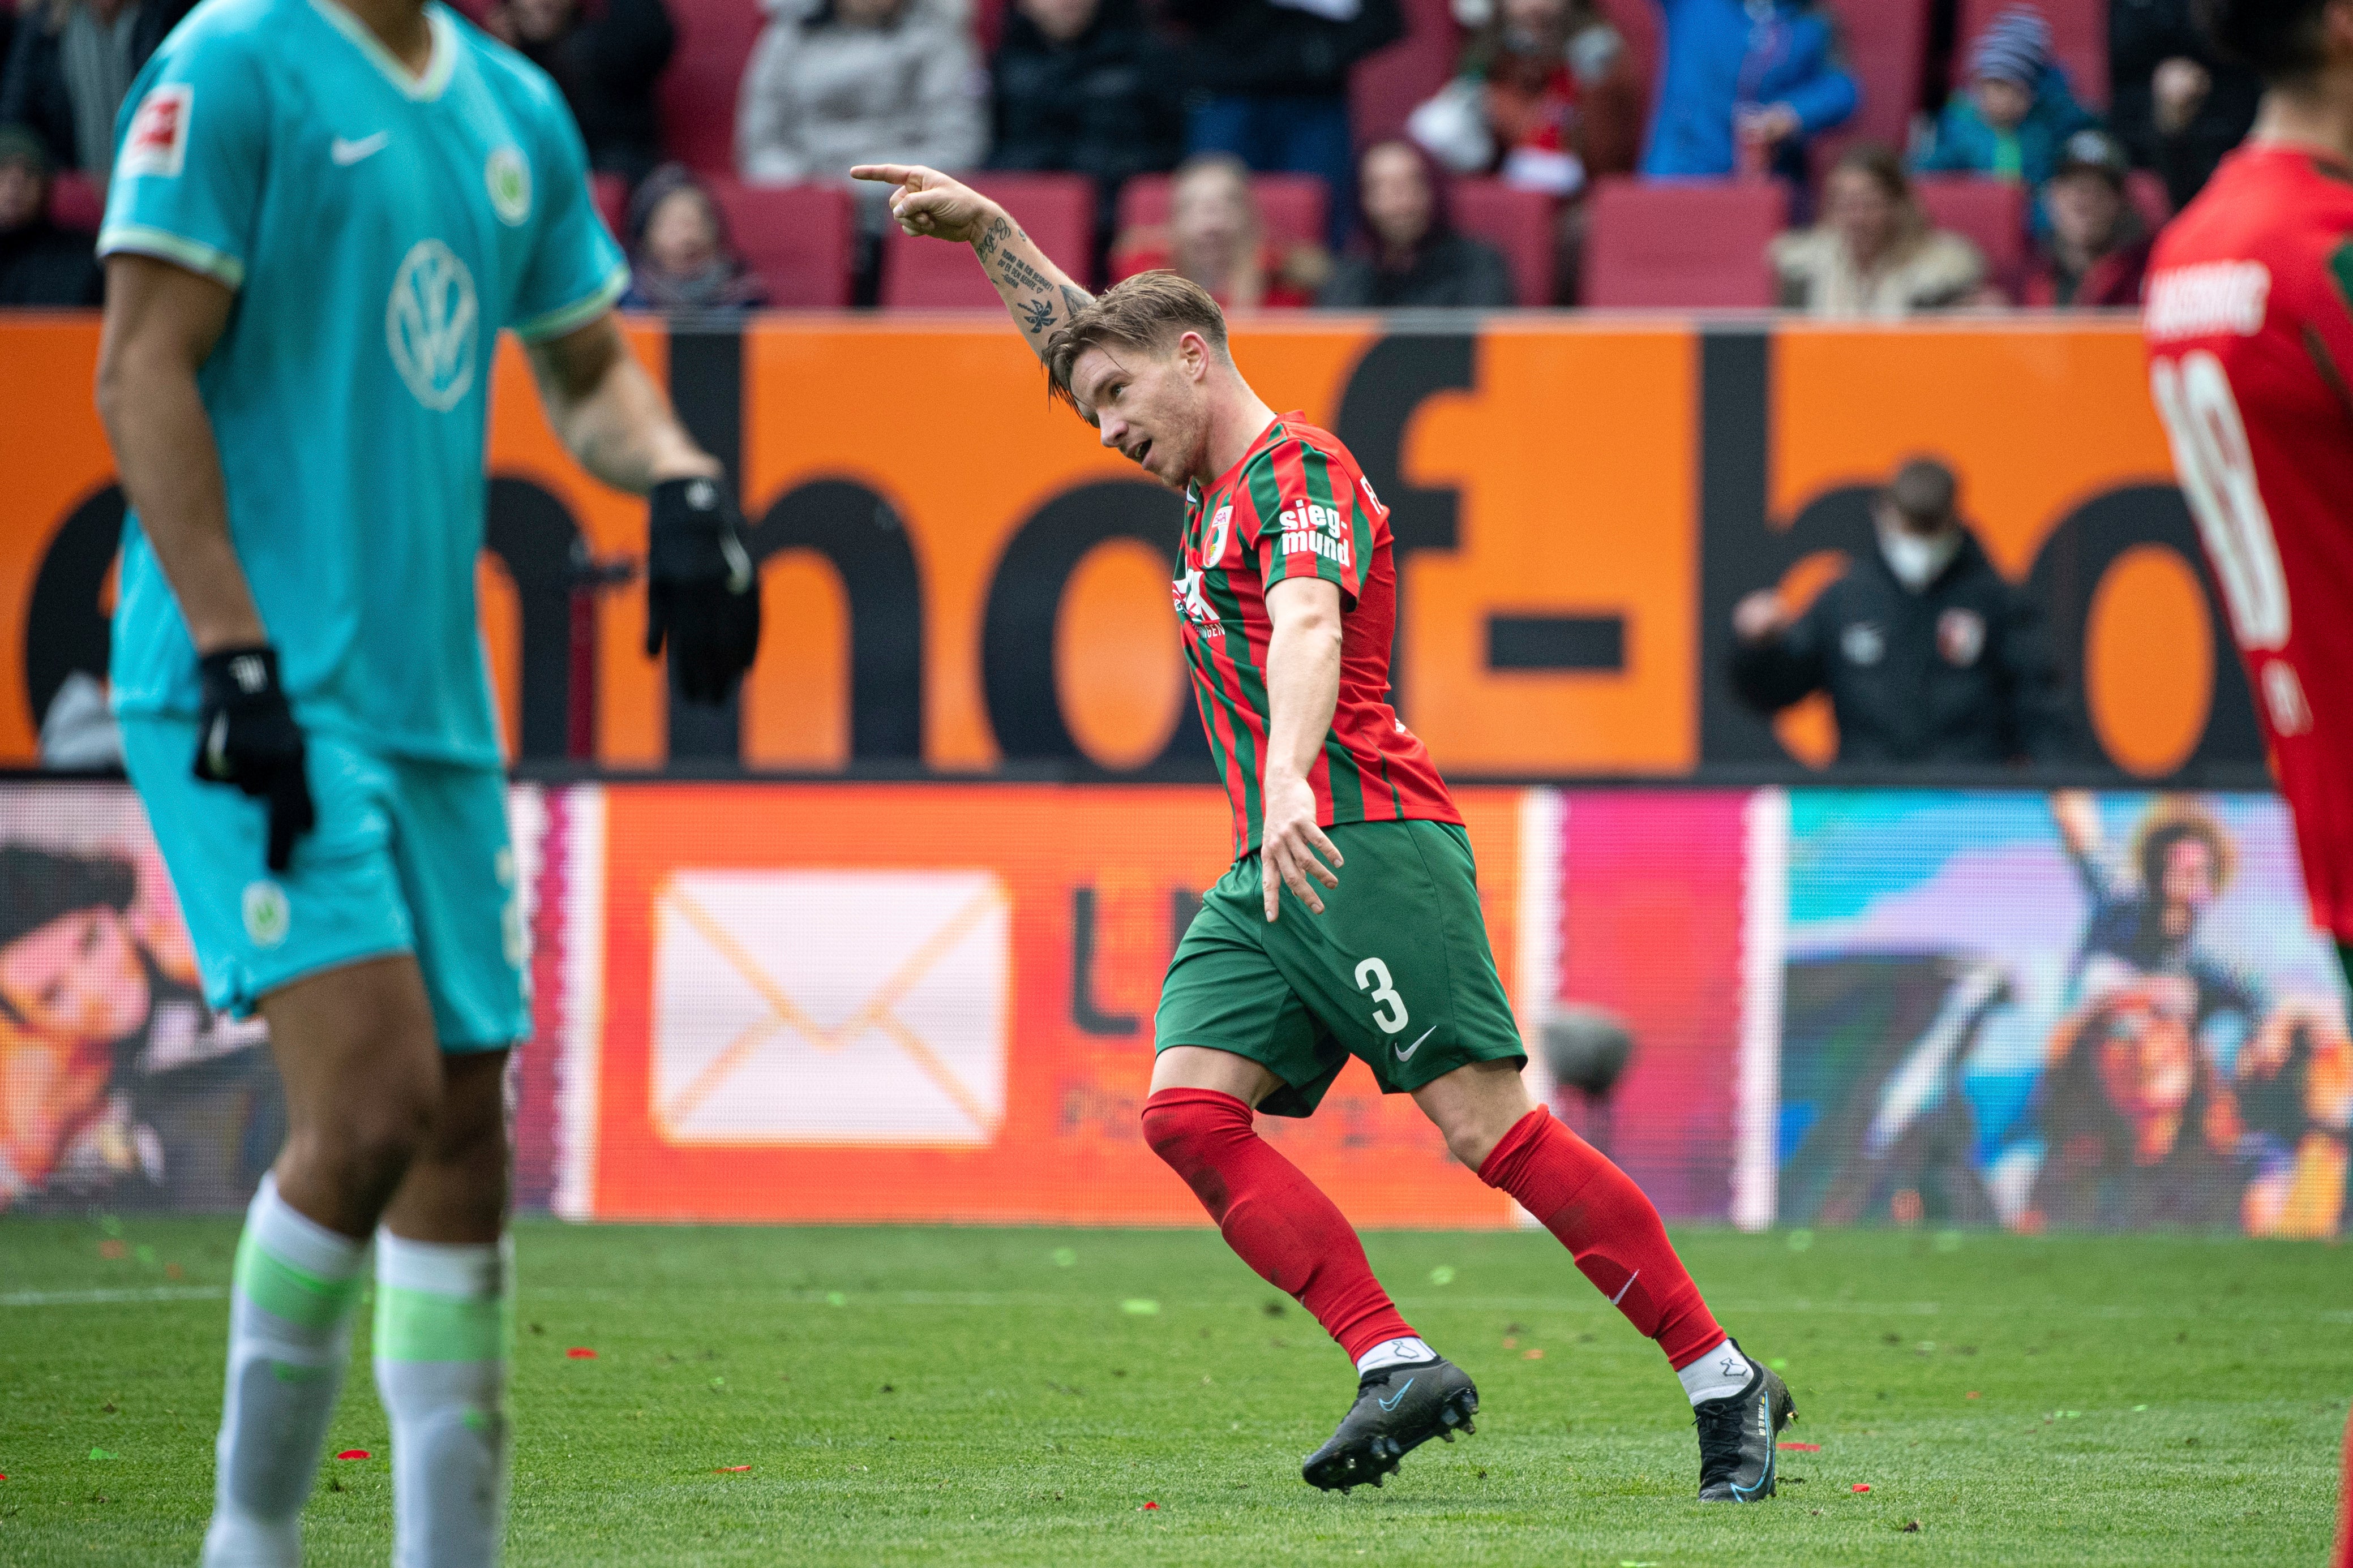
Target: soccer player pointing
(1350,921)
(321,216)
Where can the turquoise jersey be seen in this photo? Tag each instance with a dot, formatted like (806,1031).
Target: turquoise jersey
(379,228)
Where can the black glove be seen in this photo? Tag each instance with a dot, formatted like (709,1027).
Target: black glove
(246,736)
(702,592)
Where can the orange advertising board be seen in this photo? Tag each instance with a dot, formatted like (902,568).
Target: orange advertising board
(871,1003)
(958,579)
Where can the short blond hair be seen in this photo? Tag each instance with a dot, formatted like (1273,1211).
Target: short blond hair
(1150,310)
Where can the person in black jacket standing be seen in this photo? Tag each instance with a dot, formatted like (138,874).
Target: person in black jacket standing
(1267,81)
(1082,87)
(1929,655)
(607,62)
(2178,103)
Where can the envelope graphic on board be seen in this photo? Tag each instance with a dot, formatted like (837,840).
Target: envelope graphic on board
(838,1007)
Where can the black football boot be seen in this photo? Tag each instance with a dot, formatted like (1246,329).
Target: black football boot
(1398,1409)
(1737,1437)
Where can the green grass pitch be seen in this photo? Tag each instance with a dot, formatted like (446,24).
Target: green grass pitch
(1019,1397)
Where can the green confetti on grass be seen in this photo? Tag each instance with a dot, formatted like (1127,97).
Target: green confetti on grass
(836,1299)
(1443,1275)
(102,1454)
(1800,1240)
(1140,1306)
(1064,1257)
(1779,1363)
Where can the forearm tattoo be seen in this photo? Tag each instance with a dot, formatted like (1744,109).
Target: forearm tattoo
(1037,316)
(1013,272)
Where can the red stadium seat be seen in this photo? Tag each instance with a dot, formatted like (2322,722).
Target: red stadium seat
(1518,223)
(612,194)
(1387,87)
(76,202)
(1989,213)
(1886,45)
(698,91)
(796,238)
(1057,211)
(1292,207)
(1686,244)
(2079,35)
(2145,188)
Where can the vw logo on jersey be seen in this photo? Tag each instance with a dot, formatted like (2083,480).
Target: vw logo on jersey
(509,180)
(432,324)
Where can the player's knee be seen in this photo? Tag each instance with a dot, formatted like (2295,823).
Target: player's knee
(372,1137)
(1179,1128)
(1166,1128)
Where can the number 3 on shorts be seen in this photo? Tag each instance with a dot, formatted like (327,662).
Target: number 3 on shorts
(1374,976)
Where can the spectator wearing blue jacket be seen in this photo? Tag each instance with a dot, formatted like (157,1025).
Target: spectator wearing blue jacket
(2013,120)
(1767,72)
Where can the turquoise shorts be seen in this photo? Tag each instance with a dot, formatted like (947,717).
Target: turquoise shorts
(409,857)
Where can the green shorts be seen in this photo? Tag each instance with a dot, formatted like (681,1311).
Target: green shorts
(1396,970)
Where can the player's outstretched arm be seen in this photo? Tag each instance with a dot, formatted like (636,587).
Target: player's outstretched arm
(1303,687)
(703,590)
(1040,295)
(161,321)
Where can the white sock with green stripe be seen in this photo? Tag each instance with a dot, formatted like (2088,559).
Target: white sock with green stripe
(289,1335)
(443,1315)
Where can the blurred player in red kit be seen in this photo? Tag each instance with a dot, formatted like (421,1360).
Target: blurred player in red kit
(2250,329)
(1286,586)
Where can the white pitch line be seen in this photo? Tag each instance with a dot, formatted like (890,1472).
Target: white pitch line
(114,1297)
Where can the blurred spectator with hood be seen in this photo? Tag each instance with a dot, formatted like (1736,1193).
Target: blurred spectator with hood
(1874,253)
(1744,86)
(70,65)
(836,82)
(680,259)
(1408,253)
(2096,254)
(1267,81)
(1214,237)
(2176,100)
(1928,652)
(2016,113)
(40,264)
(1082,87)
(607,58)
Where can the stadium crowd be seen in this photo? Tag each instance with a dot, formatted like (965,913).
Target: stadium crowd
(1839,157)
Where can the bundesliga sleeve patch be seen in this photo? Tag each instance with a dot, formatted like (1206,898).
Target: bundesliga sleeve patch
(158,142)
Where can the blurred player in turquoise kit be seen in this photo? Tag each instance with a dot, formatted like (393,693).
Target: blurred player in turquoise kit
(324,212)
(2250,332)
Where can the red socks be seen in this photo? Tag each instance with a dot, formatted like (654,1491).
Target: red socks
(1278,1221)
(1284,1226)
(1610,1228)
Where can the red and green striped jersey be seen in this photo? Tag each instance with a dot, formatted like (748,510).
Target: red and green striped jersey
(1297,505)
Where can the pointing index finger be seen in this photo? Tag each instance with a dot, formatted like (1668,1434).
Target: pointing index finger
(889,174)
